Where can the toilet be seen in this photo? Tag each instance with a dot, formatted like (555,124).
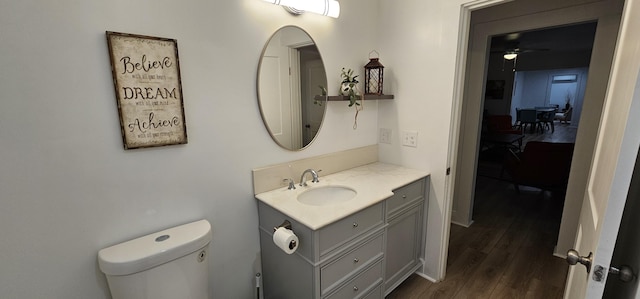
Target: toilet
(168,264)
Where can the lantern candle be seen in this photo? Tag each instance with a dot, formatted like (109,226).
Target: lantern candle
(373,74)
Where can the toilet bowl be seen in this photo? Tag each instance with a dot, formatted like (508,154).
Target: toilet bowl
(169,264)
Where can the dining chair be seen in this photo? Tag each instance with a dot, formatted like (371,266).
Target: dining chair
(546,120)
(564,116)
(529,117)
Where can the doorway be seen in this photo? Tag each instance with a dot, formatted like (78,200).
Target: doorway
(552,77)
(607,16)
(312,77)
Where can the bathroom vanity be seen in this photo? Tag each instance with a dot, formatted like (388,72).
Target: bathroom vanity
(360,247)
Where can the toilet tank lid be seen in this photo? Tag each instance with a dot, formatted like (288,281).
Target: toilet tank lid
(154,249)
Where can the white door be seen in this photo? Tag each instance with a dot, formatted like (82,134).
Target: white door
(312,113)
(615,154)
(275,91)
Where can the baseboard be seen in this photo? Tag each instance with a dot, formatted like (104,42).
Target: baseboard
(463,225)
(426,277)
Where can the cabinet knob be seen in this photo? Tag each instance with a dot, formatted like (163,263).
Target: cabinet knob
(404,196)
(355,224)
(355,288)
(355,260)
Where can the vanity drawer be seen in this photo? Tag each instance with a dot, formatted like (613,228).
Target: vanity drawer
(361,284)
(405,195)
(375,294)
(343,230)
(351,262)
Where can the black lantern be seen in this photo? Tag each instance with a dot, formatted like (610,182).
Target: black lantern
(373,77)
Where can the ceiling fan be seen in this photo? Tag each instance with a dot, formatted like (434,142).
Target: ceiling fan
(511,49)
(509,46)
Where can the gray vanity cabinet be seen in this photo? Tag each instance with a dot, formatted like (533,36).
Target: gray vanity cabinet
(404,214)
(341,260)
(361,256)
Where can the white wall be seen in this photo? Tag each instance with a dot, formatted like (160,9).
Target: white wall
(67,187)
(419,48)
(534,89)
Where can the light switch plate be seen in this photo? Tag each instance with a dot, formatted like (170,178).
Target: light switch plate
(410,138)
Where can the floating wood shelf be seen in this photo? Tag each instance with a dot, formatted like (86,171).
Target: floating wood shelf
(346,98)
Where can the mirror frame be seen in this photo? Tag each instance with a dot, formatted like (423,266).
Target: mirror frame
(259,97)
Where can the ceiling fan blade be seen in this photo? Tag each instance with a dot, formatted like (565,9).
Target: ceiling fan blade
(529,50)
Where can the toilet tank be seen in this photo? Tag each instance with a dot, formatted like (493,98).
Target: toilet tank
(169,264)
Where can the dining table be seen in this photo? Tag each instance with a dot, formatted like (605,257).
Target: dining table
(503,140)
(540,112)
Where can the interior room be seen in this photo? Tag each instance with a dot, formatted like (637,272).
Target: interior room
(548,75)
(71,183)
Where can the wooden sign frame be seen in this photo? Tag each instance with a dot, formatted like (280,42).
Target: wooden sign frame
(146,78)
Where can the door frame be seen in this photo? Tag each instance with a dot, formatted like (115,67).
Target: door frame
(468,104)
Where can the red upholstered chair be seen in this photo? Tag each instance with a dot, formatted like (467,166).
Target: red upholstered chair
(544,165)
(501,124)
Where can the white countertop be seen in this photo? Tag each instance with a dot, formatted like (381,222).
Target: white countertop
(372,182)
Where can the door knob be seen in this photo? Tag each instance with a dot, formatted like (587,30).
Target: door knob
(624,273)
(573,257)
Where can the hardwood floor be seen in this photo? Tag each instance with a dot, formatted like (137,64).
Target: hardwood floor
(562,133)
(508,251)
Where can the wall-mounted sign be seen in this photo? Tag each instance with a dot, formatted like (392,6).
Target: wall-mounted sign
(146,76)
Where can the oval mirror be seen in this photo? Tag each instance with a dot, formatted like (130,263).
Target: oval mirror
(291,88)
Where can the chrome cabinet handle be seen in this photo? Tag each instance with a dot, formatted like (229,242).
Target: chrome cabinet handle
(355,260)
(355,224)
(355,288)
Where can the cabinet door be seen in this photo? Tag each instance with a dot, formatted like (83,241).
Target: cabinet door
(403,246)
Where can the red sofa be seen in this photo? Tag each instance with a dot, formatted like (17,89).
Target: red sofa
(544,165)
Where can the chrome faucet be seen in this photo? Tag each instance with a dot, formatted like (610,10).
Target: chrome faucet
(314,177)
(292,184)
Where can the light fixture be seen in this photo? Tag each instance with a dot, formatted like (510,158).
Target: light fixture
(510,56)
(329,8)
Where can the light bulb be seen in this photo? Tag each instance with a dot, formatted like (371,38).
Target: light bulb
(510,56)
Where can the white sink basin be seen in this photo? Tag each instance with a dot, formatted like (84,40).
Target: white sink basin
(326,195)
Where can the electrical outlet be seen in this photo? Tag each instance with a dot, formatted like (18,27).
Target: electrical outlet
(410,138)
(385,136)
